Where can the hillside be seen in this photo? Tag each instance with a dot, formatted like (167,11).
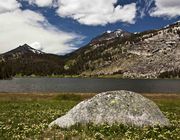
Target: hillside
(150,54)
(25,60)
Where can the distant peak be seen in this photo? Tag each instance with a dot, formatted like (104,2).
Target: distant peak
(115,31)
(109,35)
(36,51)
(24,49)
(119,30)
(25,45)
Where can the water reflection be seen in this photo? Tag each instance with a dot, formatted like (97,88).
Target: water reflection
(88,85)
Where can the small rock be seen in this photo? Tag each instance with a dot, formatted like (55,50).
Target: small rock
(123,107)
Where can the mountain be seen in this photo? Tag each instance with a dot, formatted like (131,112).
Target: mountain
(20,51)
(110,36)
(150,54)
(24,50)
(26,60)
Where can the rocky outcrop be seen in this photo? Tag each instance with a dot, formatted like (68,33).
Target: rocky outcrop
(123,107)
(152,54)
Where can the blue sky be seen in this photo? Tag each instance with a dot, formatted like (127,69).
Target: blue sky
(61,26)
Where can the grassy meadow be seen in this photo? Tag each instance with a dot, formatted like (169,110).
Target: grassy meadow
(26,117)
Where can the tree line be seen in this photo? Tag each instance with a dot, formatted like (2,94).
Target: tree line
(5,71)
(28,65)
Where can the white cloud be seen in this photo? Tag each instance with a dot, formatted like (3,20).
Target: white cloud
(41,3)
(8,5)
(36,45)
(143,7)
(19,27)
(97,12)
(166,8)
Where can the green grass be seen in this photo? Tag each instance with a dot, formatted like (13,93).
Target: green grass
(120,76)
(26,116)
(48,76)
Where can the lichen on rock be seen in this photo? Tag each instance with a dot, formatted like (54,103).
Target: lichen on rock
(123,107)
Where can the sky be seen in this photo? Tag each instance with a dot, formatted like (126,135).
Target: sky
(62,26)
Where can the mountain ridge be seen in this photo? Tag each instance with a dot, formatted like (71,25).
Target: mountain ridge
(19,51)
(149,54)
(135,56)
(109,35)
(26,61)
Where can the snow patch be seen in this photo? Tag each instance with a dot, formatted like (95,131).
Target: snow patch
(108,31)
(118,31)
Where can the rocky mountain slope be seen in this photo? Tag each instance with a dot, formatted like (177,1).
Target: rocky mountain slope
(149,54)
(110,35)
(23,50)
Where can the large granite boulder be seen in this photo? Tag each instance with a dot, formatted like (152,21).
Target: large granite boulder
(123,107)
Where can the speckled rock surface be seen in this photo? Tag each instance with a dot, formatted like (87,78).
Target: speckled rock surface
(124,107)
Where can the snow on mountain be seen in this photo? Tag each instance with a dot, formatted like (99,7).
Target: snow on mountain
(35,51)
(108,32)
(109,35)
(20,51)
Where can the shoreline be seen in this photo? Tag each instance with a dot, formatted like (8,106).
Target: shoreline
(116,76)
(52,95)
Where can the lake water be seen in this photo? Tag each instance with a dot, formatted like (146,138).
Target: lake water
(88,85)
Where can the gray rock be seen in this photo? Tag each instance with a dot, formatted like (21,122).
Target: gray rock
(150,54)
(123,107)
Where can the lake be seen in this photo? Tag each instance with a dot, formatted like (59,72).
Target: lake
(30,85)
